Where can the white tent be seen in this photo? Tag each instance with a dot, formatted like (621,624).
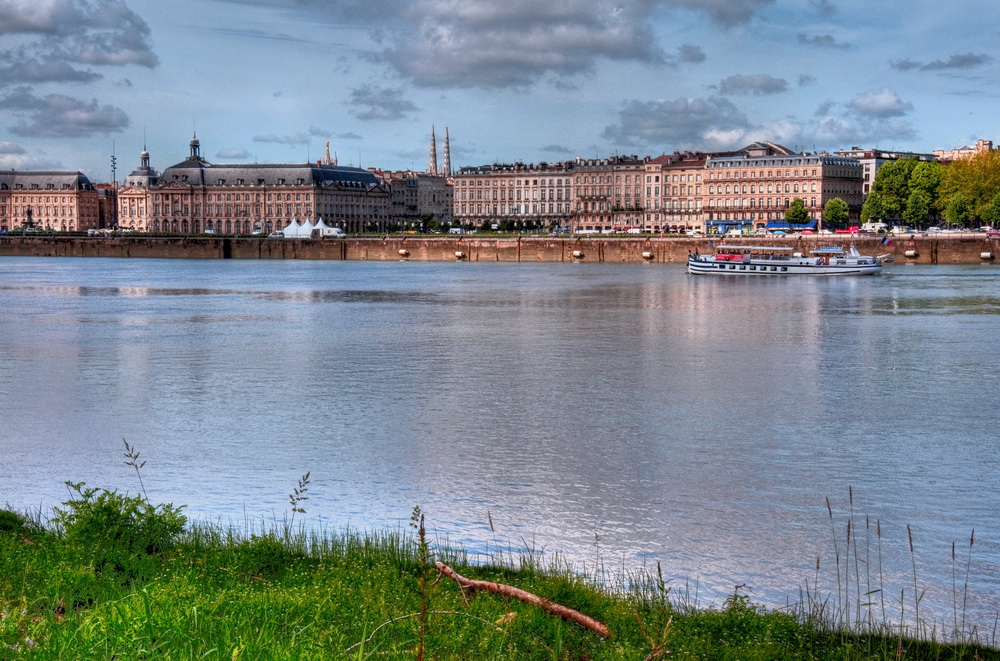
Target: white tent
(292,231)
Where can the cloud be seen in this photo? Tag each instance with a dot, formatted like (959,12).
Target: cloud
(60,116)
(690,54)
(675,123)
(962,61)
(880,104)
(871,117)
(62,33)
(350,135)
(806,79)
(757,85)
(824,7)
(234,154)
(320,133)
(821,40)
(372,102)
(727,13)
(556,149)
(16,157)
(299,139)
(515,43)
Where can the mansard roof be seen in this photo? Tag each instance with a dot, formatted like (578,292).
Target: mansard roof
(44,180)
(198,172)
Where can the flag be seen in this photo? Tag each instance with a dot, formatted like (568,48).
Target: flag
(886,241)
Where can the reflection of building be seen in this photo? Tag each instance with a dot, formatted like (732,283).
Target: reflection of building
(195,195)
(981,147)
(58,201)
(872,159)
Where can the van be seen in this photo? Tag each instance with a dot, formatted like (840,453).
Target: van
(456,230)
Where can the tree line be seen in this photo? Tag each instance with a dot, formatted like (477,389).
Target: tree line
(963,193)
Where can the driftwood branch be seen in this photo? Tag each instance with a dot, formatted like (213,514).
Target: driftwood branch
(510,591)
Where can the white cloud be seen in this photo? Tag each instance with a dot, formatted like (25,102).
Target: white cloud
(880,103)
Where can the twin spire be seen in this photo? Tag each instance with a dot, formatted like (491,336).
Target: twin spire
(432,165)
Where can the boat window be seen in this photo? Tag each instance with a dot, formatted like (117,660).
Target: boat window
(784,268)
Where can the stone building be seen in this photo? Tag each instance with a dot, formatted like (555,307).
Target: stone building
(757,187)
(610,194)
(513,195)
(195,196)
(677,191)
(49,200)
(417,197)
(872,159)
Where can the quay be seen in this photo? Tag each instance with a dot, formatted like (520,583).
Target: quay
(919,249)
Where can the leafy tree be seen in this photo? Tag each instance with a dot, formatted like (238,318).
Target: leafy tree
(892,182)
(873,209)
(992,213)
(796,212)
(976,177)
(836,212)
(957,211)
(918,207)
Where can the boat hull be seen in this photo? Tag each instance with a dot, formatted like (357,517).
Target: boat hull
(708,266)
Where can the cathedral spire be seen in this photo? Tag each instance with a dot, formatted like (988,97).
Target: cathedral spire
(326,157)
(432,165)
(446,170)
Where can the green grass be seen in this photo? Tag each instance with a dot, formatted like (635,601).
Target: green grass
(285,593)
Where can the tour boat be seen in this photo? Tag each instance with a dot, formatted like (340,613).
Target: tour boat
(781,260)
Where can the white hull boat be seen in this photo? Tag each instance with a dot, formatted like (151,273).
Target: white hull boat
(781,260)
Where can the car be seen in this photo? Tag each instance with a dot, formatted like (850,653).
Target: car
(211,231)
(992,233)
(934,230)
(985,228)
(824,232)
(276,234)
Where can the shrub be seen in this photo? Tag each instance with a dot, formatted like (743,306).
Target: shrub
(117,532)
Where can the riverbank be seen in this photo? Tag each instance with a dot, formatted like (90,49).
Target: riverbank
(120,578)
(916,249)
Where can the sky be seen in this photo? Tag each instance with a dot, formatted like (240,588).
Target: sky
(272,81)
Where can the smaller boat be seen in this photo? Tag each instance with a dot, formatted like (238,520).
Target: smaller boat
(783,260)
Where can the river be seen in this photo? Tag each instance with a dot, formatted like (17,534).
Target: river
(610,416)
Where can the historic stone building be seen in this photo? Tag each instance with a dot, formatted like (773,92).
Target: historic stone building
(872,159)
(195,196)
(677,199)
(750,190)
(417,197)
(610,194)
(515,195)
(51,201)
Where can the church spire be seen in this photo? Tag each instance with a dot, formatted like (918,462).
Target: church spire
(326,157)
(432,165)
(446,170)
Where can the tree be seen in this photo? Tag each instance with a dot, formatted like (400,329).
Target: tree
(836,212)
(918,206)
(957,211)
(992,213)
(977,178)
(872,210)
(892,182)
(796,213)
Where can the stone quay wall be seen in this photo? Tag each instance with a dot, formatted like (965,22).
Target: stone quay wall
(975,249)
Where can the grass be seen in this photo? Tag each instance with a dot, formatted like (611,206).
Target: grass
(111,576)
(291,594)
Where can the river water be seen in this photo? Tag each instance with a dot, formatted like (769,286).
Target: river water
(611,416)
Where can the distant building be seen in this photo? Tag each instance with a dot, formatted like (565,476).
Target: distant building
(872,159)
(50,200)
(981,147)
(417,197)
(195,195)
(516,195)
(679,206)
(750,190)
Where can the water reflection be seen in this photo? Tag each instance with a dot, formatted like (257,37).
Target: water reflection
(607,413)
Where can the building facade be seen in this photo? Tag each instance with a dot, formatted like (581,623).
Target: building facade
(195,196)
(49,200)
(516,196)
(872,159)
(751,190)
(417,197)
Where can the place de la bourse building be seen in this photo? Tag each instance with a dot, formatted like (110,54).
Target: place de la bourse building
(194,196)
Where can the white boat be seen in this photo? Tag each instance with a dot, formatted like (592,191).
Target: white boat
(782,260)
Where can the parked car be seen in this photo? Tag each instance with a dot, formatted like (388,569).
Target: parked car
(934,230)
(276,234)
(992,233)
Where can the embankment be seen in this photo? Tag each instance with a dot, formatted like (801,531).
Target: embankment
(917,249)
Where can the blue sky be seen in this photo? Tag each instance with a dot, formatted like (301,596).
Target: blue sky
(272,81)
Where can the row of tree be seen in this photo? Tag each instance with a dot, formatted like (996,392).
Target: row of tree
(917,193)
